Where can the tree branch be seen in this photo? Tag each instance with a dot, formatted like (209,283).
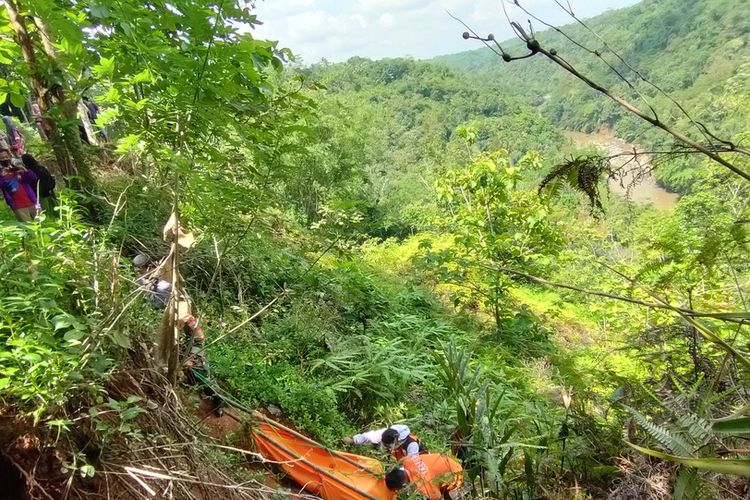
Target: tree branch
(731,317)
(534,46)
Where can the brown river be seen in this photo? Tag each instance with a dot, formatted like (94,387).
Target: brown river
(646,191)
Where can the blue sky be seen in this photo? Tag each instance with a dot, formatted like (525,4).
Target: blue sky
(339,29)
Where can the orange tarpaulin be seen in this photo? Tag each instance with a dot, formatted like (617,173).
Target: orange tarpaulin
(331,474)
(432,472)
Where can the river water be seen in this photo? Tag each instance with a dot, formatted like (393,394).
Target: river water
(646,190)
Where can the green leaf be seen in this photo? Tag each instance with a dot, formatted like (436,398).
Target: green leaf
(60,423)
(129,143)
(686,484)
(74,334)
(732,425)
(87,471)
(145,76)
(121,339)
(99,10)
(4,382)
(106,67)
(62,321)
(131,413)
(667,439)
(17,100)
(724,466)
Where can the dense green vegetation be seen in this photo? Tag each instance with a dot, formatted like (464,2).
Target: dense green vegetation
(388,214)
(695,55)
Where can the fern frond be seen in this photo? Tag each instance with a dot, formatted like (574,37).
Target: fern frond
(713,399)
(663,436)
(686,485)
(687,392)
(688,422)
(691,484)
(697,428)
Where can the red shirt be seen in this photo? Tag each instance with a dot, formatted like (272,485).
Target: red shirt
(19,197)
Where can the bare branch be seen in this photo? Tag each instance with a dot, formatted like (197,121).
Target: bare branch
(534,47)
(701,127)
(731,317)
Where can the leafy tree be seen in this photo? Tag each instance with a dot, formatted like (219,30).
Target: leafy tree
(495,226)
(46,70)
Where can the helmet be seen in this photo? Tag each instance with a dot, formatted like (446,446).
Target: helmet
(141,260)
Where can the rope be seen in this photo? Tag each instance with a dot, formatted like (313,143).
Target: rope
(221,393)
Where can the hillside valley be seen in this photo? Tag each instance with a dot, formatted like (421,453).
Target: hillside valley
(242,257)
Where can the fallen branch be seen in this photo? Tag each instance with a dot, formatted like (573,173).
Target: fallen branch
(163,475)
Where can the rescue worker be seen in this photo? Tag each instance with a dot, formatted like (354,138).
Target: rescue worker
(195,368)
(397,438)
(433,475)
(157,289)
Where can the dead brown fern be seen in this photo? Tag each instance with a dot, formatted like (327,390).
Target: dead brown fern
(582,173)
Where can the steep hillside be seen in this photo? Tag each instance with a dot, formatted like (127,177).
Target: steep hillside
(406,114)
(349,246)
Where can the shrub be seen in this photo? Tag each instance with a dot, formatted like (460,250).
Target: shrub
(54,295)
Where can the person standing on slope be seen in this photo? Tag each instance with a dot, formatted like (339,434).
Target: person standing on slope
(18,185)
(45,186)
(397,438)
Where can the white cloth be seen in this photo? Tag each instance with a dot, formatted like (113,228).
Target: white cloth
(157,290)
(376,437)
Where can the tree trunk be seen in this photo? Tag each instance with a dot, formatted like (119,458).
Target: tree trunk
(69,122)
(64,139)
(38,84)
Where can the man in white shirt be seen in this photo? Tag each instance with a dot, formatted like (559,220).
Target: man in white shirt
(397,438)
(157,290)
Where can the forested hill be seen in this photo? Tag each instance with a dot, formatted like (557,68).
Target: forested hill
(692,50)
(348,246)
(403,117)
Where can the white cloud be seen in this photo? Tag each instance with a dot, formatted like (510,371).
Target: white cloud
(299,3)
(372,6)
(339,29)
(359,19)
(387,20)
(313,26)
